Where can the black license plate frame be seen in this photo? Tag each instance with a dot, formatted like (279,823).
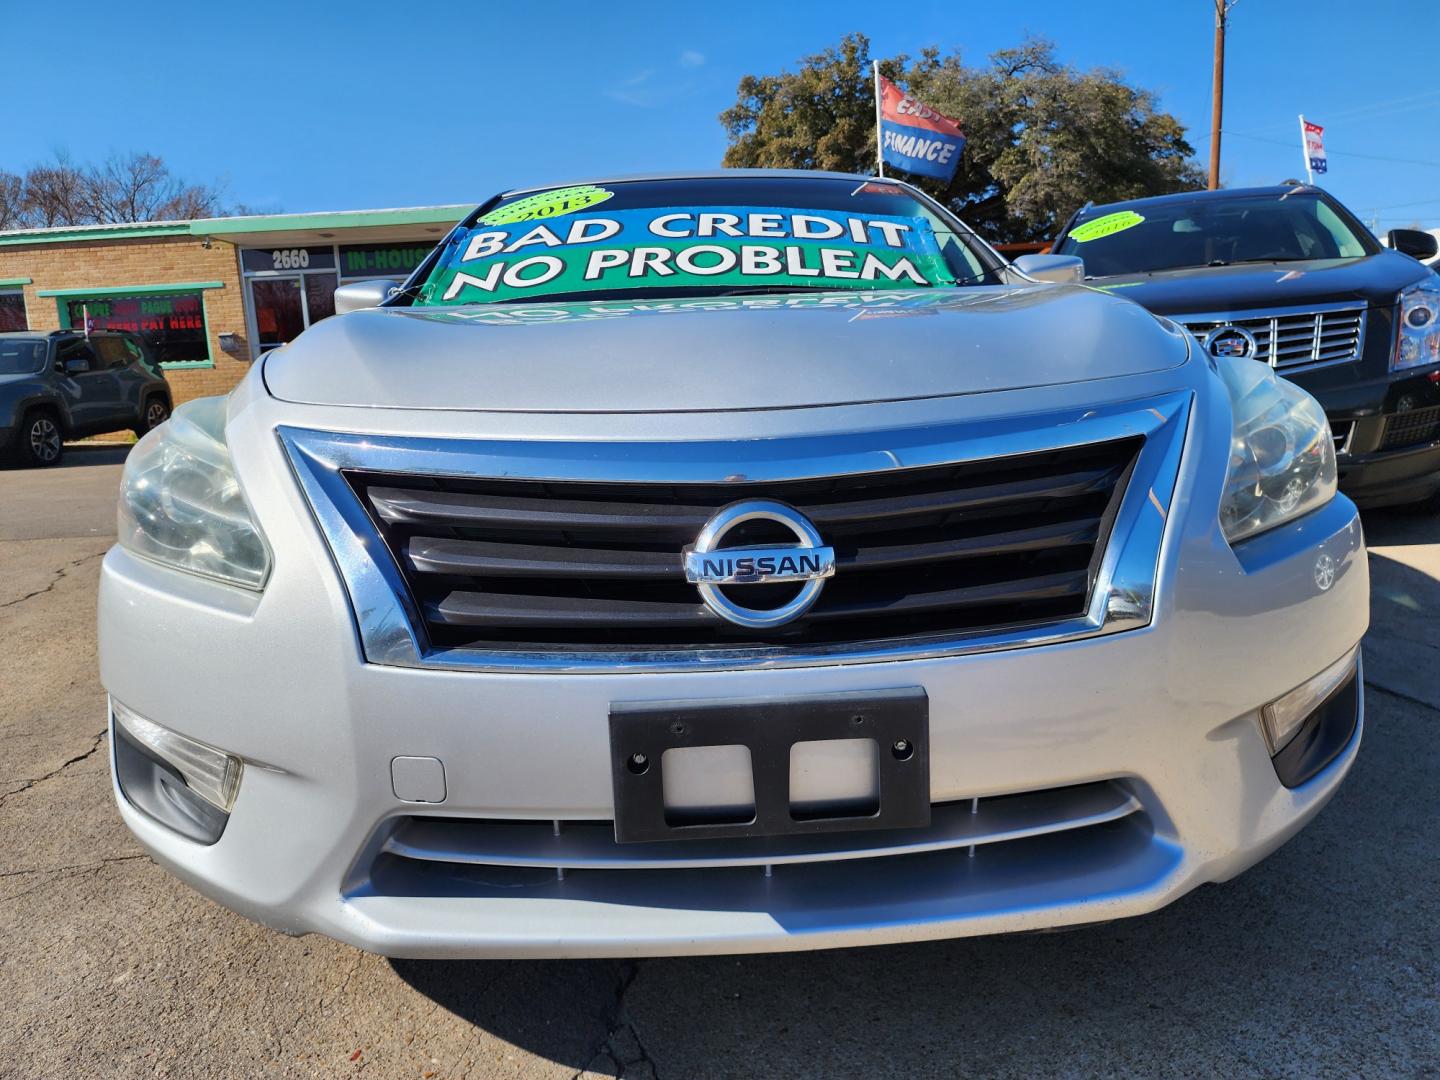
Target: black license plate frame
(769,728)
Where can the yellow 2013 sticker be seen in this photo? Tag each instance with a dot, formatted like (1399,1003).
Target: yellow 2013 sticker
(548,204)
(1106,226)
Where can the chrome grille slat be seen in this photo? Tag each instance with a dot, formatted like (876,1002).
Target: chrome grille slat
(591,845)
(1291,340)
(438,555)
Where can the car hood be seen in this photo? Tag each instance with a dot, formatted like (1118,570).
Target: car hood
(741,353)
(1375,279)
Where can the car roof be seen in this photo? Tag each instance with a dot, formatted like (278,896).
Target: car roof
(711,174)
(1187,196)
(60,333)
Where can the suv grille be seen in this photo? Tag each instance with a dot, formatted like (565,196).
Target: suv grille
(1296,340)
(551,566)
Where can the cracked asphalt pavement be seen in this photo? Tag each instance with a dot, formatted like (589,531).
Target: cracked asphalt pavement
(1321,961)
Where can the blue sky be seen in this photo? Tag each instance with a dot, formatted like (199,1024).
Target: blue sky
(303,108)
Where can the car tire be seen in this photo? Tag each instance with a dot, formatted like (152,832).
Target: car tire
(154,413)
(41,441)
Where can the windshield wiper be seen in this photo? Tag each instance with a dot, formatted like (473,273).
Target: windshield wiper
(1243,262)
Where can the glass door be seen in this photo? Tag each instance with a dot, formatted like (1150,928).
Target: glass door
(279,310)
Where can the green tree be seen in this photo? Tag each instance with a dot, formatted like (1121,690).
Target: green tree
(1042,138)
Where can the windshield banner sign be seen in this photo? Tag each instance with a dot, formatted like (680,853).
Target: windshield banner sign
(685,247)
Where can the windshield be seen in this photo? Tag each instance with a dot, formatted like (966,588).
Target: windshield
(1210,231)
(703,237)
(21,356)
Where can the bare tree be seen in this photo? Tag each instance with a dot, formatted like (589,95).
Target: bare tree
(57,194)
(137,186)
(12,201)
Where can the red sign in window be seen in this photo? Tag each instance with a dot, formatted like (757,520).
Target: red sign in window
(173,325)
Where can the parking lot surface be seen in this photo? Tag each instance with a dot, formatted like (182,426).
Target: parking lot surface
(1322,960)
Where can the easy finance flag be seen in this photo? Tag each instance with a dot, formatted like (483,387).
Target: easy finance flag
(915,137)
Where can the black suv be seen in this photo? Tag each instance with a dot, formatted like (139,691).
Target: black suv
(63,385)
(1289,276)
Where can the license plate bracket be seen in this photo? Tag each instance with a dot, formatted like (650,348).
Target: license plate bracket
(769,728)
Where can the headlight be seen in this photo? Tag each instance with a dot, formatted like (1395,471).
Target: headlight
(181,505)
(1418,341)
(1282,457)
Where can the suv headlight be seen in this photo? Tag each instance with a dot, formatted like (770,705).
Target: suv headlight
(1418,341)
(181,504)
(1282,456)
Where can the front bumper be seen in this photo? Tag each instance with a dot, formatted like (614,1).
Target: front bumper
(1392,478)
(1387,435)
(1166,714)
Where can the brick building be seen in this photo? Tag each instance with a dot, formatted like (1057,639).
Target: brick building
(208,296)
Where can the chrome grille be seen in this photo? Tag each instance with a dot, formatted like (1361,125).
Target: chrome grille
(336,471)
(1292,340)
(556,565)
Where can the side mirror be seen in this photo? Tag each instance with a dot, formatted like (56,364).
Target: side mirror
(76,365)
(1062,269)
(363,294)
(1416,243)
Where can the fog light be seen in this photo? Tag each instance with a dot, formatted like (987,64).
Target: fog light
(1282,719)
(176,780)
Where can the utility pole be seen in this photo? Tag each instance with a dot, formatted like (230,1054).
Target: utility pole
(1222,13)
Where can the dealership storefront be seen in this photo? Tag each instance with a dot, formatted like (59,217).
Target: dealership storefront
(208,296)
(288,288)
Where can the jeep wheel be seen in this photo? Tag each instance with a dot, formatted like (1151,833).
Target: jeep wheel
(40,440)
(156,413)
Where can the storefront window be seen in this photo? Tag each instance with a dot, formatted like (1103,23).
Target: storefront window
(171,325)
(279,318)
(319,297)
(12,311)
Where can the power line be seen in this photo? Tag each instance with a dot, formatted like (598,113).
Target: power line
(1377,107)
(1374,108)
(1340,153)
(1413,202)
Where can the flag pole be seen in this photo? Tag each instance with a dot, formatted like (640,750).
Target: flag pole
(879,138)
(1305,152)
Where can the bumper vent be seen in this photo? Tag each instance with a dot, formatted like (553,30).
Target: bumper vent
(1291,341)
(1411,428)
(580,859)
(545,566)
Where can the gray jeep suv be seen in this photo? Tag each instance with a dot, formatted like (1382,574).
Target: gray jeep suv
(62,385)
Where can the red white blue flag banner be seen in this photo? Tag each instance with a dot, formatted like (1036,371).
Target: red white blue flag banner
(915,137)
(1314,136)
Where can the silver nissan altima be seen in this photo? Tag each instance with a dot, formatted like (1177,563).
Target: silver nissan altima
(729,563)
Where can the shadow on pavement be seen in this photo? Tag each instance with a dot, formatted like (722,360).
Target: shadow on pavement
(78,456)
(81,455)
(1386,527)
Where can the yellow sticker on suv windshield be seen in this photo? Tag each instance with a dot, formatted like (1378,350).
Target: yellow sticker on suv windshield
(1105,226)
(548,204)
